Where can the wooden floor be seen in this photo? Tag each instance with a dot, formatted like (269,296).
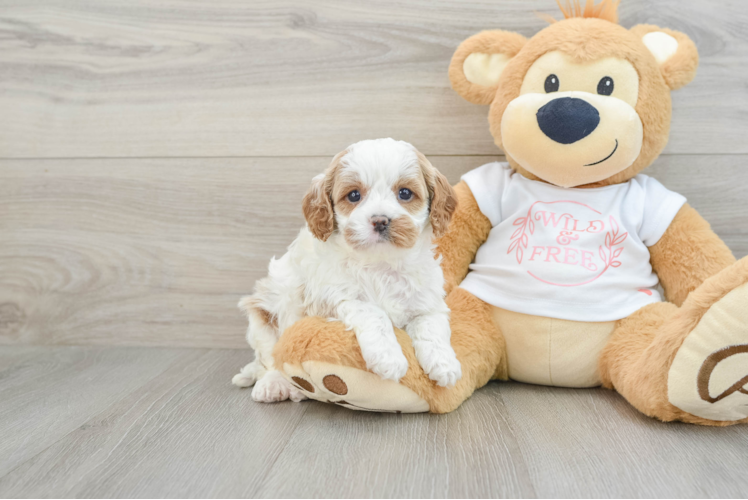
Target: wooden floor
(153,422)
(153,156)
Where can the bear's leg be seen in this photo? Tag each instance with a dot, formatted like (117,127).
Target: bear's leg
(688,363)
(323,360)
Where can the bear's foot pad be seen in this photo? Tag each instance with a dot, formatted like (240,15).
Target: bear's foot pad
(352,388)
(709,375)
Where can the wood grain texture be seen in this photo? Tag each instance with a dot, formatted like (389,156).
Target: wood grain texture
(469,453)
(592,443)
(188,433)
(137,78)
(158,251)
(144,252)
(51,392)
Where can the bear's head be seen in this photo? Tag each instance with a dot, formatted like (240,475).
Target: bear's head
(584,102)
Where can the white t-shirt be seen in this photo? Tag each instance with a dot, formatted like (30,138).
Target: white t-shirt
(576,254)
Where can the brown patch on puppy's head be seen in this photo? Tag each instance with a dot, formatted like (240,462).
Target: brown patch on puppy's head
(443,200)
(344,183)
(317,203)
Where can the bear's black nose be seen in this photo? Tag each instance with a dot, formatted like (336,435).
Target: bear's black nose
(568,119)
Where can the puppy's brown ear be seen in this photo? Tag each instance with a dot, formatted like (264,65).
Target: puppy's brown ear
(443,197)
(317,203)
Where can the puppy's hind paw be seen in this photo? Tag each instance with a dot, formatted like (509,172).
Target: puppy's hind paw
(248,375)
(296,395)
(241,380)
(273,388)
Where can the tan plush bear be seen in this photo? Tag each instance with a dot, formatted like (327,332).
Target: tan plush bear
(552,261)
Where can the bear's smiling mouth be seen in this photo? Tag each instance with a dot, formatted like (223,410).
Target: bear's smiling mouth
(611,154)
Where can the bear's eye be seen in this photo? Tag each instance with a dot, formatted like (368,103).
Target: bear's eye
(605,86)
(354,196)
(551,84)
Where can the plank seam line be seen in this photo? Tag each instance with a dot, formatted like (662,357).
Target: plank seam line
(285,445)
(502,415)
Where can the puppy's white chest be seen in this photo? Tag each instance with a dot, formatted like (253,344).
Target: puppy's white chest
(393,291)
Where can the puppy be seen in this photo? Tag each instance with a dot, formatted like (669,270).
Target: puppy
(366,258)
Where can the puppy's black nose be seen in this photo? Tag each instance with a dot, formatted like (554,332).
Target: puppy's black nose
(568,119)
(380,223)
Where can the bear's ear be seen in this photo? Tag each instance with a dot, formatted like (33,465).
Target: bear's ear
(674,52)
(478,62)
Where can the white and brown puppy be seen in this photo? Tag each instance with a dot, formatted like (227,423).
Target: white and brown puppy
(366,258)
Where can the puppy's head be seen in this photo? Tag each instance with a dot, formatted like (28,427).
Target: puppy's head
(379,193)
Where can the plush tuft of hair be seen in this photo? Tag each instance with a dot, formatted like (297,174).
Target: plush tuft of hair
(606,10)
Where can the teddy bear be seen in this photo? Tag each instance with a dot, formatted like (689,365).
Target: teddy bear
(554,260)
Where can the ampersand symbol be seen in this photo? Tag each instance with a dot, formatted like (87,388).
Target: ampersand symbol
(566,237)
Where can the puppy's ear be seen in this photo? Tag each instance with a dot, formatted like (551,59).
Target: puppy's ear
(317,203)
(477,64)
(443,201)
(674,52)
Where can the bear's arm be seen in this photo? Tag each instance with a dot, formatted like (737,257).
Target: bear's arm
(468,230)
(687,254)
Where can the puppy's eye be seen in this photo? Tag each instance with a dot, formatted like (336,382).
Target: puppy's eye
(354,196)
(605,86)
(551,84)
(405,194)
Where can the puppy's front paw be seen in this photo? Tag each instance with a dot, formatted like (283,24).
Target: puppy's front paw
(388,364)
(446,373)
(273,388)
(439,363)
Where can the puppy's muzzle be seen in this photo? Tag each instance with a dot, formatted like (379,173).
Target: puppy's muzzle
(380,223)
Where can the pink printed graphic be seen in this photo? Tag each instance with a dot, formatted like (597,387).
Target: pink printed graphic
(568,252)
(612,240)
(519,237)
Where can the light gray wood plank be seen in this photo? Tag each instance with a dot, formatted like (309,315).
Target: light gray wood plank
(135,78)
(717,186)
(470,453)
(591,443)
(52,393)
(188,433)
(157,252)
(738,244)
(145,252)
(12,357)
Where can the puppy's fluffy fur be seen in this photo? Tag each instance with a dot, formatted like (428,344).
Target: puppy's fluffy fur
(366,258)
